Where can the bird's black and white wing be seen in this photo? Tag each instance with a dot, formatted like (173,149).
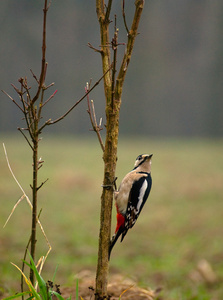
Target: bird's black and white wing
(137,197)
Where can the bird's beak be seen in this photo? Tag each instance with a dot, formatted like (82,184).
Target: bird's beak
(150,156)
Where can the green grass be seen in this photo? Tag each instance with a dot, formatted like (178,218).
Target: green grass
(46,290)
(180,225)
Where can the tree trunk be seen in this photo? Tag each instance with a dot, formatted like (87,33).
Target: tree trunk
(113,92)
(34,202)
(110,158)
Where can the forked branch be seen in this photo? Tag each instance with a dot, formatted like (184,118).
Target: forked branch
(123,15)
(91,111)
(139,4)
(50,122)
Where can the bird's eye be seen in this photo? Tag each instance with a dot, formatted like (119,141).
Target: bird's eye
(139,157)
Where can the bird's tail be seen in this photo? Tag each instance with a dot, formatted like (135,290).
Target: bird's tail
(114,240)
(124,233)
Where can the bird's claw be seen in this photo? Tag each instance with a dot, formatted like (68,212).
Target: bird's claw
(111,185)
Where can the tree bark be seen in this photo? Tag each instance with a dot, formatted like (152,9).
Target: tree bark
(110,158)
(113,93)
(34,210)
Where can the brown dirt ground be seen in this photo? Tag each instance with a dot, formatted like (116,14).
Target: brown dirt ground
(118,286)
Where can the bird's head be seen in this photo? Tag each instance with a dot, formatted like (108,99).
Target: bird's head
(143,162)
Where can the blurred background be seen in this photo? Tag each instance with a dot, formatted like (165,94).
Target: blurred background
(172,107)
(174,83)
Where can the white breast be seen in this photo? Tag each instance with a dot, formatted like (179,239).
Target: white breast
(122,195)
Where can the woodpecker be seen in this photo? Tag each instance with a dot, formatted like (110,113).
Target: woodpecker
(131,196)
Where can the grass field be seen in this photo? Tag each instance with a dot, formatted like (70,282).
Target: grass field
(181,224)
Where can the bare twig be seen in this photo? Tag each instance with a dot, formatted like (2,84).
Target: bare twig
(94,116)
(91,111)
(16,89)
(95,49)
(44,64)
(89,107)
(108,10)
(49,98)
(131,40)
(114,47)
(42,184)
(34,76)
(50,122)
(41,103)
(49,4)
(123,15)
(13,101)
(48,86)
(21,130)
(98,127)
(24,85)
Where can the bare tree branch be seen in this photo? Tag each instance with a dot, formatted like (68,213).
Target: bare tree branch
(49,98)
(50,122)
(13,101)
(21,130)
(123,15)
(98,127)
(108,10)
(42,184)
(114,48)
(93,48)
(44,64)
(131,40)
(35,77)
(91,111)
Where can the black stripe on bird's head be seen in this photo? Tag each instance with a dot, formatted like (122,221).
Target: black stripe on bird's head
(141,159)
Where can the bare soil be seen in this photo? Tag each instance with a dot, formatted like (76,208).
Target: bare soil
(118,287)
